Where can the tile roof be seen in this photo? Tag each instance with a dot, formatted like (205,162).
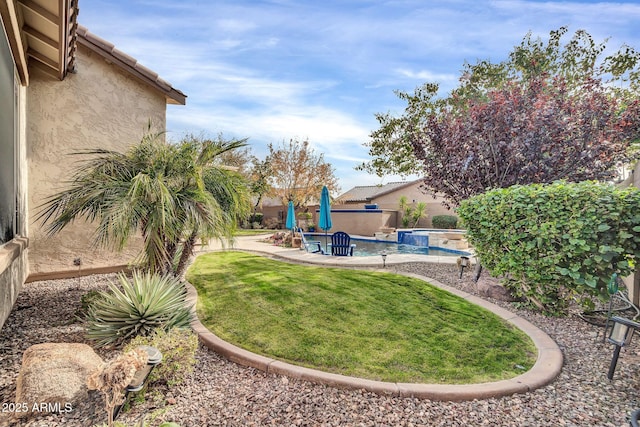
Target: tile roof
(367,193)
(129,64)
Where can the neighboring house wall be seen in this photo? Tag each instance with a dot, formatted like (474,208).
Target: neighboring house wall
(274,215)
(357,220)
(277,214)
(363,222)
(391,201)
(100,106)
(633,281)
(413,195)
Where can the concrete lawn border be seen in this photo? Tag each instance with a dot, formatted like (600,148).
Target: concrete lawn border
(547,367)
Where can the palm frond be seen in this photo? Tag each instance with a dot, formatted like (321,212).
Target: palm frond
(166,192)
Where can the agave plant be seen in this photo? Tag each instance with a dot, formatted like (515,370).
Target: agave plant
(143,304)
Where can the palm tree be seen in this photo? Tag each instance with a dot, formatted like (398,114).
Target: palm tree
(172,194)
(406,211)
(419,211)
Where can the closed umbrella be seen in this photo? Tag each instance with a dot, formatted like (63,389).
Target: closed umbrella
(291,218)
(324,221)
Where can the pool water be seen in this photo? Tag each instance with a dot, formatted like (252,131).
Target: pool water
(365,247)
(374,248)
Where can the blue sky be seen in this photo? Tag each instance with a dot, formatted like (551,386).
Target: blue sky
(320,69)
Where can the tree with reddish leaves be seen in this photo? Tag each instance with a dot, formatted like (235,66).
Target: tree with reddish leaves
(548,112)
(537,131)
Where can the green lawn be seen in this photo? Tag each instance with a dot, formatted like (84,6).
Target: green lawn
(367,324)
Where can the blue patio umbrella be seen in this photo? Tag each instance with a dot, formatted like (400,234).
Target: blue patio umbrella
(291,217)
(324,221)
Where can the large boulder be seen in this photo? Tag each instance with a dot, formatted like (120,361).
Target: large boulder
(53,377)
(490,287)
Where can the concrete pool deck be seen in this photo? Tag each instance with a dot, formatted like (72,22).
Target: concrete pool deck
(544,371)
(253,243)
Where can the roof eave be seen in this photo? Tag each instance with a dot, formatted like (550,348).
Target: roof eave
(9,16)
(67,35)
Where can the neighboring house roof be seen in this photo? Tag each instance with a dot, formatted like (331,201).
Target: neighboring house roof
(367,193)
(130,65)
(270,202)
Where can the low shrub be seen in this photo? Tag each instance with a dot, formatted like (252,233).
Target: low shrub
(141,306)
(555,241)
(86,300)
(444,221)
(256,217)
(271,223)
(178,348)
(305,216)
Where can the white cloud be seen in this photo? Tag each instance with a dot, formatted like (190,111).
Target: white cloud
(328,131)
(235,25)
(427,76)
(276,70)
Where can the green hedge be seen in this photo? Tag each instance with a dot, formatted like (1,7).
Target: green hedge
(256,217)
(553,241)
(444,221)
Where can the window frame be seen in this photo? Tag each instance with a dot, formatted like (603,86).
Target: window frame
(13,186)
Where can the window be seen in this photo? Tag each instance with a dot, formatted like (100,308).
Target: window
(8,138)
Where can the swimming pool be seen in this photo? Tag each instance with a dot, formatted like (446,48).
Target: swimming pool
(366,247)
(375,247)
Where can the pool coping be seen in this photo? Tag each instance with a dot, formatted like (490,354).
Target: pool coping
(546,368)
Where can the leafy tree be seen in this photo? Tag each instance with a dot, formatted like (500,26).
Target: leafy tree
(259,177)
(172,194)
(298,173)
(542,114)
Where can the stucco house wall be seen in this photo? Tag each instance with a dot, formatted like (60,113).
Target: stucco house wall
(414,195)
(362,223)
(62,89)
(98,106)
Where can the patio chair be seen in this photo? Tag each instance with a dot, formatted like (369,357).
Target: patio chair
(341,244)
(311,246)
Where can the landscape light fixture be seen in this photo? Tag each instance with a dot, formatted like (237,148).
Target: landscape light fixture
(154,357)
(383,254)
(464,262)
(620,335)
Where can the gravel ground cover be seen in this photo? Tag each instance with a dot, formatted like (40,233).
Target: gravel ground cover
(221,393)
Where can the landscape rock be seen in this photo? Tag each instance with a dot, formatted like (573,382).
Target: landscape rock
(53,377)
(491,287)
